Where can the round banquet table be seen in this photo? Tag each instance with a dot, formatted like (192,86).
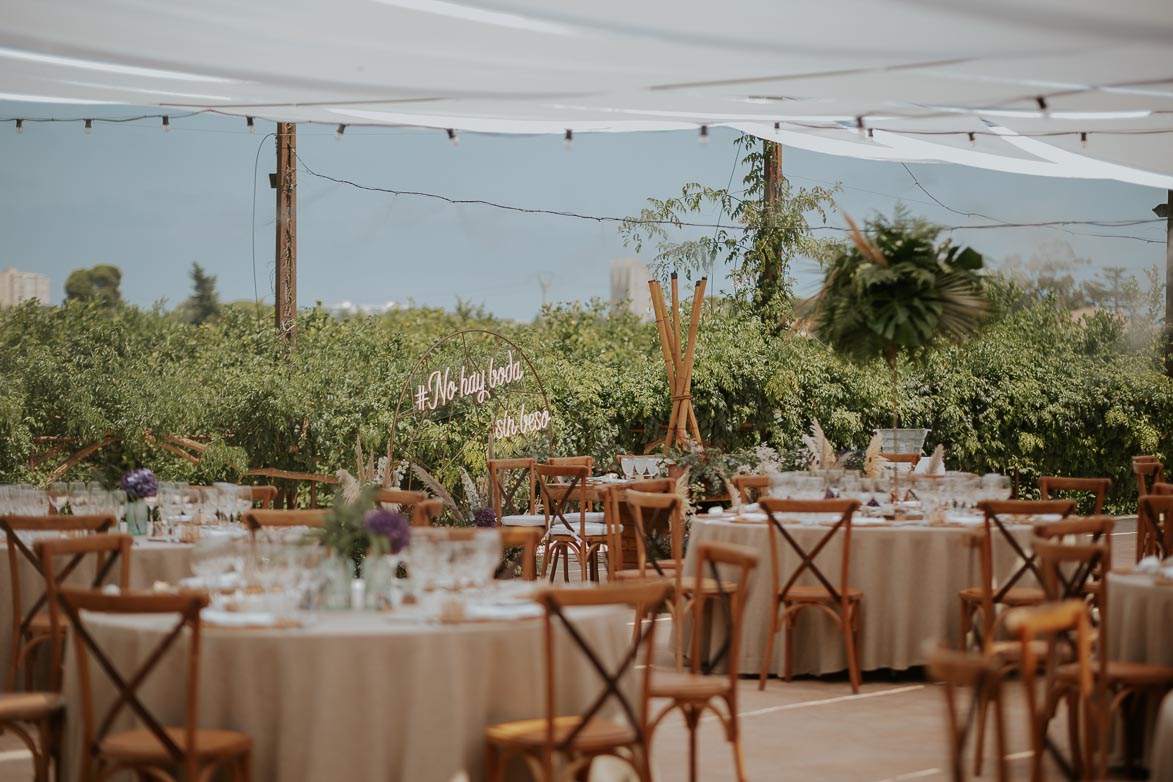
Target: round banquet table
(1140,629)
(359,695)
(150,561)
(910,576)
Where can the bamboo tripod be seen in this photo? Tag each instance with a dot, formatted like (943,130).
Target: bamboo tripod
(678,360)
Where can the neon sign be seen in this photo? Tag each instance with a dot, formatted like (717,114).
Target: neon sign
(445,385)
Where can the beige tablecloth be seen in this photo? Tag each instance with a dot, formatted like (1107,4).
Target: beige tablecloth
(149,562)
(1140,629)
(363,696)
(910,576)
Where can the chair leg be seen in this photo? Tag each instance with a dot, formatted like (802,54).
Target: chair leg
(850,648)
(999,734)
(735,742)
(966,625)
(692,718)
(770,633)
(493,770)
(789,621)
(979,740)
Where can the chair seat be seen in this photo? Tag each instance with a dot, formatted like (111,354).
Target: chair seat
(139,746)
(28,705)
(524,520)
(40,625)
(1016,596)
(669,567)
(686,686)
(819,594)
(1011,651)
(1122,672)
(594,527)
(598,734)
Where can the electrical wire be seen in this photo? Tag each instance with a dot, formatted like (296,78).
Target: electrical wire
(253,232)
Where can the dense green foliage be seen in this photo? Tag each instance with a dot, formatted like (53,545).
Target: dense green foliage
(1034,393)
(101,283)
(203,303)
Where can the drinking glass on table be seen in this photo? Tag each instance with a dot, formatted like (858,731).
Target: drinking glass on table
(996,487)
(79,498)
(627,463)
(59,495)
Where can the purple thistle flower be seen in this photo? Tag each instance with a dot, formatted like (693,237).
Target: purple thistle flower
(392,525)
(485,517)
(139,483)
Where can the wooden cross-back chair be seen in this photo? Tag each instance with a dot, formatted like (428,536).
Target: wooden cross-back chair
(31,626)
(1066,629)
(1156,519)
(107,550)
(581,531)
(527,539)
(833,596)
(152,750)
(413,504)
(514,492)
(984,600)
(261,520)
(1086,579)
(572,461)
(750,487)
(264,495)
(1162,489)
(616,501)
(39,713)
(983,676)
(580,739)
(1149,471)
(698,691)
(1098,487)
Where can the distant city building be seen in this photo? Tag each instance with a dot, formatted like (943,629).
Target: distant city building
(346,308)
(629,282)
(17,286)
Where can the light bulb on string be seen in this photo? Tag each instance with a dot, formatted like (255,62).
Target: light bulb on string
(568,139)
(871,136)
(452,137)
(704,137)
(89,126)
(1042,103)
(341,130)
(1083,140)
(777,126)
(859,126)
(972,139)
(166,124)
(20,126)
(251,127)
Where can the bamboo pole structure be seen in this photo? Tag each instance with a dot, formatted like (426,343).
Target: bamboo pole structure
(678,360)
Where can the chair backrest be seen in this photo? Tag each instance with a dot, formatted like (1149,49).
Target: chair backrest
(265,495)
(18,550)
(572,461)
(106,550)
(648,597)
(1162,488)
(561,487)
(650,511)
(1148,470)
(1075,554)
(527,539)
(413,504)
(902,458)
(511,486)
(709,556)
(1099,487)
(258,520)
(1067,628)
(750,487)
(776,509)
(983,675)
(77,604)
(1156,517)
(654,485)
(997,513)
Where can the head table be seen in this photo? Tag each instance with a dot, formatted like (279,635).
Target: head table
(910,576)
(1140,629)
(362,695)
(150,561)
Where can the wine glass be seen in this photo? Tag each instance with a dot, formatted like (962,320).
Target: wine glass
(59,495)
(628,465)
(79,497)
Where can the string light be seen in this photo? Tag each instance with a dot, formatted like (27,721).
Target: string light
(704,137)
(859,126)
(870,136)
(89,126)
(251,127)
(972,139)
(1083,140)
(777,126)
(341,130)
(569,138)
(452,137)
(166,124)
(20,126)
(1043,106)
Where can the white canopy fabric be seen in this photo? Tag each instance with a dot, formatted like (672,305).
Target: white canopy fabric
(919,75)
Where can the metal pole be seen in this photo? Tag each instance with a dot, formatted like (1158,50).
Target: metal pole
(285,279)
(1169,283)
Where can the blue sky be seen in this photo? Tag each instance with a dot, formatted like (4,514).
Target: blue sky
(153,202)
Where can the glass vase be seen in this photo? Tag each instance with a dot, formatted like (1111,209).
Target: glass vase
(138,518)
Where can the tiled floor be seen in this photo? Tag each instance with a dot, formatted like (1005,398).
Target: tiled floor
(809,729)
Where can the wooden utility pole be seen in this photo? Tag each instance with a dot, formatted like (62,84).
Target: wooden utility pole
(1168,282)
(285,279)
(772,160)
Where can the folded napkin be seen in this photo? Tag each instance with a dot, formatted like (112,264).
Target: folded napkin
(220,618)
(1148,565)
(753,517)
(488,612)
(716,510)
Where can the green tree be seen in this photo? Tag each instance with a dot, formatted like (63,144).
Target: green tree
(100,283)
(763,233)
(203,304)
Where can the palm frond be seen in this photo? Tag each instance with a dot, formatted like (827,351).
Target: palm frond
(937,461)
(438,490)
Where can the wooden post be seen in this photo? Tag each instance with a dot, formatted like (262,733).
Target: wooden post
(772,160)
(1169,283)
(285,277)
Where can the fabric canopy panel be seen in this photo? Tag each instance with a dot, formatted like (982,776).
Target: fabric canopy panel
(1076,88)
